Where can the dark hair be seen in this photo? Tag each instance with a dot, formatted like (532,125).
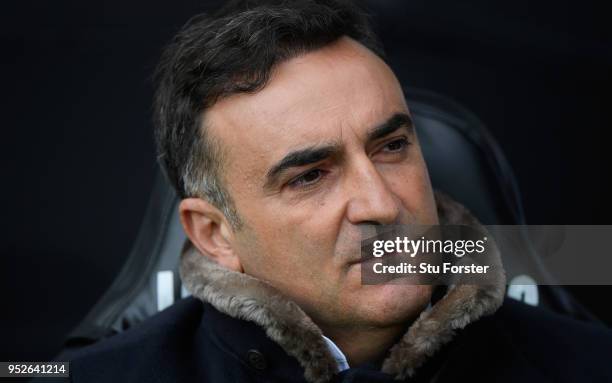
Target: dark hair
(233,51)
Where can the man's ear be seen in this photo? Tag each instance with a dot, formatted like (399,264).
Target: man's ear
(209,231)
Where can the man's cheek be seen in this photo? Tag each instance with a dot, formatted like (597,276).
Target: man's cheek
(402,179)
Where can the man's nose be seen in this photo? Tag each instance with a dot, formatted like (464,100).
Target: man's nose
(370,198)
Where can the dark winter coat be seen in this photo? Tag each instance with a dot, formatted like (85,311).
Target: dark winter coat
(237,328)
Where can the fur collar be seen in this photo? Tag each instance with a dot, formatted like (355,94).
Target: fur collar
(242,296)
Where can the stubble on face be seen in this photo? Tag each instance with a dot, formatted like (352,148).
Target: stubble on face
(301,240)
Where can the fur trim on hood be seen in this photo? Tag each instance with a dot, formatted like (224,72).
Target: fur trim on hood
(242,296)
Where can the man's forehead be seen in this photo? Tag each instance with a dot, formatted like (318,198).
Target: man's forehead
(311,99)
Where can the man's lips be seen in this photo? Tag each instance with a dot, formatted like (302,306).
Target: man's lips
(387,257)
(356,261)
(367,259)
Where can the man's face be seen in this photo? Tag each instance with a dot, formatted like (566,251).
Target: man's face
(325,148)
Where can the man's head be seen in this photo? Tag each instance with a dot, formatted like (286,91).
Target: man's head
(285,132)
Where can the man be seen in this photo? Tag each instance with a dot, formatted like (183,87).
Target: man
(284,132)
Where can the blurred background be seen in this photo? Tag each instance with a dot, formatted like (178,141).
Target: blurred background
(78,157)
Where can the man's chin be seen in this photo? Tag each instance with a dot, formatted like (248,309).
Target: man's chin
(393,303)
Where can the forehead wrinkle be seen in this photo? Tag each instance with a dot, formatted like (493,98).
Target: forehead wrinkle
(283,110)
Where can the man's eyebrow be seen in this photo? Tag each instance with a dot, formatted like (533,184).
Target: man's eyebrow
(315,154)
(300,158)
(398,120)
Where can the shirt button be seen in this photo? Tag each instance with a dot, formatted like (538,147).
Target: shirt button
(256,359)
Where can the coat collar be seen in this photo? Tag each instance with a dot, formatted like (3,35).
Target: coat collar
(244,297)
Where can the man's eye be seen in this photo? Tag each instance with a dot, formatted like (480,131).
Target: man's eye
(307,179)
(396,146)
